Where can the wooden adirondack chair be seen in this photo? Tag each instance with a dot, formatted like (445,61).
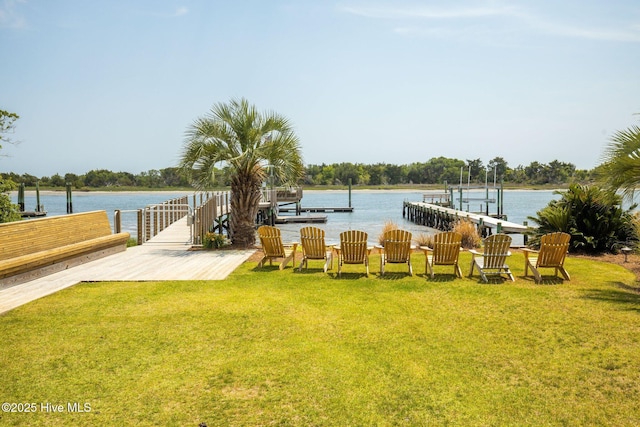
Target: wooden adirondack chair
(353,249)
(314,247)
(273,248)
(396,249)
(446,250)
(553,250)
(492,260)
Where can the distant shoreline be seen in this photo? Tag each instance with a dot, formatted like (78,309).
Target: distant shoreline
(81,193)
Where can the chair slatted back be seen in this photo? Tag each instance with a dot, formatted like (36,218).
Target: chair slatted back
(353,244)
(271,241)
(446,248)
(397,246)
(553,249)
(313,244)
(496,250)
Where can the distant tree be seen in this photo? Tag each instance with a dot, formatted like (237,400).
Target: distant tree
(498,167)
(345,172)
(476,171)
(249,142)
(7,125)
(377,174)
(57,181)
(621,167)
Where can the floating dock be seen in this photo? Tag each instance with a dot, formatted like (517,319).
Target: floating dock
(301,219)
(315,209)
(442,218)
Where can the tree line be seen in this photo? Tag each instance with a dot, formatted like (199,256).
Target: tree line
(434,171)
(442,169)
(103,178)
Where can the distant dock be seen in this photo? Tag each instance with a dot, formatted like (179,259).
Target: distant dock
(442,218)
(316,209)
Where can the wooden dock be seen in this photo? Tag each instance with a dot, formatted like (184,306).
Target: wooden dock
(442,218)
(301,219)
(317,209)
(167,256)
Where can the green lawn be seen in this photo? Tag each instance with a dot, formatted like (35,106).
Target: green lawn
(269,347)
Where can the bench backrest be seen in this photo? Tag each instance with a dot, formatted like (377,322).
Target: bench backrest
(37,235)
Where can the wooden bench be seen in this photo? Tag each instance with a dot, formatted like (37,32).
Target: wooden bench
(33,248)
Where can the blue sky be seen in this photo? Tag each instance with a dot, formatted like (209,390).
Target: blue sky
(115,84)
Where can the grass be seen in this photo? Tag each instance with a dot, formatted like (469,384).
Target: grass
(270,347)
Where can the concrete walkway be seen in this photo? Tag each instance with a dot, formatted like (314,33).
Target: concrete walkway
(167,256)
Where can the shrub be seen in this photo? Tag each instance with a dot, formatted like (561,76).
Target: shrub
(215,241)
(470,236)
(592,216)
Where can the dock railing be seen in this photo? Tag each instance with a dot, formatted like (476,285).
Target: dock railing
(154,218)
(211,214)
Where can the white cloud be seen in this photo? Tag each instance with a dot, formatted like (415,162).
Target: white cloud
(181,11)
(525,20)
(9,16)
(430,13)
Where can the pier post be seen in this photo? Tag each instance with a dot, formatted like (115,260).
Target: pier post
(117,221)
(349,192)
(21,197)
(38,208)
(69,201)
(140,227)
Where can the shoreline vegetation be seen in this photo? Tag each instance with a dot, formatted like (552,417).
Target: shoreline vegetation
(319,188)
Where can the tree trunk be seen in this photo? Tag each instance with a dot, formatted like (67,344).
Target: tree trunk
(245,198)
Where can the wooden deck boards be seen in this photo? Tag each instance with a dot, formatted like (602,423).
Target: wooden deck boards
(164,257)
(507,227)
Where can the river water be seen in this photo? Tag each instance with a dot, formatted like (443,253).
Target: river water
(372,208)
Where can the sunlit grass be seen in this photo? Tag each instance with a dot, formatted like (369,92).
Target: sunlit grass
(286,348)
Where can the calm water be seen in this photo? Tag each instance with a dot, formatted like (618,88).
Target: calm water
(371,208)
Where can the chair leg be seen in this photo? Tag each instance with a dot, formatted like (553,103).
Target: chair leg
(410,269)
(457,271)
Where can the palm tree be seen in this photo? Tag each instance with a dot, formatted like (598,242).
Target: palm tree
(237,135)
(621,167)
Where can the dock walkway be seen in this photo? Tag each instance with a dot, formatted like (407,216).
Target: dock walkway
(431,215)
(167,256)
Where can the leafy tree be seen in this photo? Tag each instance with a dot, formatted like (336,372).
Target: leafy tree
(498,167)
(237,135)
(7,125)
(8,211)
(621,169)
(477,168)
(592,216)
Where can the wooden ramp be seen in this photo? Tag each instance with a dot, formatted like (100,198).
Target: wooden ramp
(167,256)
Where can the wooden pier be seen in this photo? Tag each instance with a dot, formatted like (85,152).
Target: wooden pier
(166,256)
(442,218)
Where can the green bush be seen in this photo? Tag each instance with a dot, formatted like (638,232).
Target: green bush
(592,216)
(215,241)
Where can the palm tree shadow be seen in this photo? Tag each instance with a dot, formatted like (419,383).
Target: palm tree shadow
(621,294)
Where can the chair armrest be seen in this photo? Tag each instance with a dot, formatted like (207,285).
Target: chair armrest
(474,252)
(527,252)
(425,248)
